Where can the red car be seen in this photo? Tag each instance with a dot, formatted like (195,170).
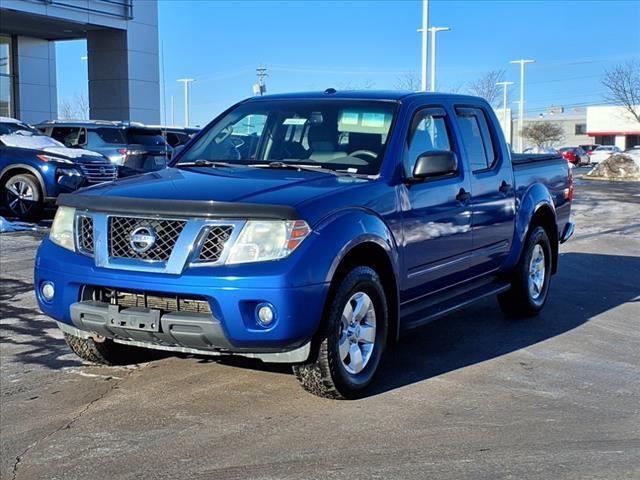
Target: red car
(575,155)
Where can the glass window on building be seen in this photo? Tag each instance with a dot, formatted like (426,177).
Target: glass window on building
(581,129)
(6,79)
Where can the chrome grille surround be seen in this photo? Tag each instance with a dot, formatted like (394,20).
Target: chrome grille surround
(84,234)
(180,242)
(99,172)
(215,240)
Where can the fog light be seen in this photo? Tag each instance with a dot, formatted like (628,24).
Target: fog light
(48,291)
(266,313)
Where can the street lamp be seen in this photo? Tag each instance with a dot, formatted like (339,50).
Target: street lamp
(521,103)
(186,82)
(424,31)
(434,31)
(505,86)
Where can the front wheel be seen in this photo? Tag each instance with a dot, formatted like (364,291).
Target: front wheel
(107,352)
(23,196)
(353,339)
(530,279)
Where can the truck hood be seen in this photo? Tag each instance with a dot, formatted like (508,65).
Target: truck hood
(242,184)
(47,145)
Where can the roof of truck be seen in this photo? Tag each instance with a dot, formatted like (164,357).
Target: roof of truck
(393,95)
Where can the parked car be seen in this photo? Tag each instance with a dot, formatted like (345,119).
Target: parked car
(176,136)
(127,144)
(634,152)
(541,151)
(589,148)
(575,155)
(603,152)
(35,169)
(352,217)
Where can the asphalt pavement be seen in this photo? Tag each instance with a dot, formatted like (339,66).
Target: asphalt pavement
(470,396)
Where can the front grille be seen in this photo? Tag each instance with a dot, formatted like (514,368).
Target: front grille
(99,172)
(157,301)
(213,245)
(166,233)
(85,234)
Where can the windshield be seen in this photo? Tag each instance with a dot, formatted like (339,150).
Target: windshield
(342,135)
(145,136)
(23,136)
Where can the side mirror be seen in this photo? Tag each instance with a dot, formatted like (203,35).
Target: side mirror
(435,163)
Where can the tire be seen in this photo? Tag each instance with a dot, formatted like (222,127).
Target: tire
(529,287)
(22,196)
(328,372)
(107,352)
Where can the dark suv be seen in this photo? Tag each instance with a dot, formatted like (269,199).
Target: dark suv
(132,146)
(35,169)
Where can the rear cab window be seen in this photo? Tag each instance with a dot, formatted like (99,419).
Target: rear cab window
(477,138)
(109,135)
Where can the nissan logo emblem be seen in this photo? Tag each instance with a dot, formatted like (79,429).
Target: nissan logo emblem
(142,239)
(103,170)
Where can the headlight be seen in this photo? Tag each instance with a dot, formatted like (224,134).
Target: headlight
(69,172)
(267,240)
(49,158)
(62,229)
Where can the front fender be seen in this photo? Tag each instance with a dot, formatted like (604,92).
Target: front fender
(351,227)
(533,199)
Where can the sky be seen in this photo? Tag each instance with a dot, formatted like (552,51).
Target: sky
(313,45)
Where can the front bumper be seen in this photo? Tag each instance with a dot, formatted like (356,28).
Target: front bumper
(232,294)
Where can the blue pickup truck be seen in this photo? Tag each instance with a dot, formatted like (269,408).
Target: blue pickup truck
(311,229)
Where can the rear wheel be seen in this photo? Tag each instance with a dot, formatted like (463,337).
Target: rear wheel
(23,196)
(531,277)
(107,352)
(353,341)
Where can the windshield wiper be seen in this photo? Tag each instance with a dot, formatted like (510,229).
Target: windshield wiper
(204,163)
(295,166)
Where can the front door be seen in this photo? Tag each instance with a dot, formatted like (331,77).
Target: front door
(436,212)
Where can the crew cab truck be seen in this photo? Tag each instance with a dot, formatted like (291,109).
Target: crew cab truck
(310,229)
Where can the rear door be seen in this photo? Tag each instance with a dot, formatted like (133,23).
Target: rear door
(492,189)
(436,212)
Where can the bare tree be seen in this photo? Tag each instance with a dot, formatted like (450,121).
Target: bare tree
(74,109)
(408,81)
(486,87)
(543,134)
(623,87)
(365,84)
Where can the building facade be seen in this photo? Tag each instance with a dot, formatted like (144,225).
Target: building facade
(608,125)
(122,56)
(573,123)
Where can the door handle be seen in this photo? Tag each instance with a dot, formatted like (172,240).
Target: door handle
(505,187)
(463,196)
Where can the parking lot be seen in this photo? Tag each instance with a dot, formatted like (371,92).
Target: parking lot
(472,395)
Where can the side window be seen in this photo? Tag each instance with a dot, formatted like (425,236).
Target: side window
(66,135)
(476,138)
(82,136)
(428,132)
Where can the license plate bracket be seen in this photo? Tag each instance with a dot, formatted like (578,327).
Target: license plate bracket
(141,319)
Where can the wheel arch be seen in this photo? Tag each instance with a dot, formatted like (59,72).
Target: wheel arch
(372,253)
(22,168)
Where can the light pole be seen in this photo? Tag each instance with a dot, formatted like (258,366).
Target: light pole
(434,31)
(186,82)
(505,86)
(425,31)
(521,103)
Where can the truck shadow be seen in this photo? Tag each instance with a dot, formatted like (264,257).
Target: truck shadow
(586,286)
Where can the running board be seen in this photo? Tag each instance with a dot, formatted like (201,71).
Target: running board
(421,312)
